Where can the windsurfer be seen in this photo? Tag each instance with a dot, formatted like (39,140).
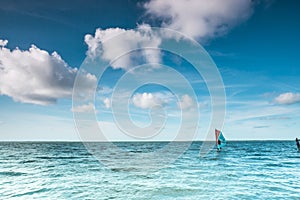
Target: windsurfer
(220,140)
(297,143)
(218,147)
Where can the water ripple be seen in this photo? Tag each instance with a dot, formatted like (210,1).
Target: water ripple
(243,170)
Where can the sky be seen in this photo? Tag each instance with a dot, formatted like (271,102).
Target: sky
(45,46)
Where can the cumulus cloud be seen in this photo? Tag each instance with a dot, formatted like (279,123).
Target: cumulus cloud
(37,77)
(148,100)
(86,108)
(186,102)
(109,50)
(288,98)
(200,19)
(3,43)
(107,103)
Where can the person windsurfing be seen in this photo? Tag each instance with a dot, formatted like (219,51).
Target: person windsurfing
(219,144)
(297,143)
(220,140)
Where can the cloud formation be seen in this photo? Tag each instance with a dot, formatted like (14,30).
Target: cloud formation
(109,50)
(148,100)
(3,43)
(200,19)
(86,108)
(37,77)
(186,102)
(107,103)
(288,98)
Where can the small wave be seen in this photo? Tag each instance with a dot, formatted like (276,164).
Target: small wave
(135,169)
(11,173)
(175,191)
(32,192)
(125,169)
(293,156)
(258,154)
(27,161)
(138,151)
(56,175)
(273,165)
(58,157)
(86,154)
(260,158)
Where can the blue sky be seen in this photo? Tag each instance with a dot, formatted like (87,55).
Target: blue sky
(253,44)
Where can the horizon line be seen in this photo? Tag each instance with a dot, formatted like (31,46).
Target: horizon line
(132,141)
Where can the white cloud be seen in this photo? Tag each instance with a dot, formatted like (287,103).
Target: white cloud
(186,102)
(109,50)
(104,90)
(288,98)
(196,18)
(148,100)
(200,18)
(107,102)
(3,43)
(37,77)
(86,108)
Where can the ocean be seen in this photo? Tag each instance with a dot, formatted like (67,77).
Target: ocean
(66,170)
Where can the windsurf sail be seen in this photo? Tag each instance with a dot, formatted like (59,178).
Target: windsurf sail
(220,139)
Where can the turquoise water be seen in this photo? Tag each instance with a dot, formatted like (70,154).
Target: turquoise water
(243,170)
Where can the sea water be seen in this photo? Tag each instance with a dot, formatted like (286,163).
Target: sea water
(242,170)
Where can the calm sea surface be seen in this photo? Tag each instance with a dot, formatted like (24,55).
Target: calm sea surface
(243,170)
